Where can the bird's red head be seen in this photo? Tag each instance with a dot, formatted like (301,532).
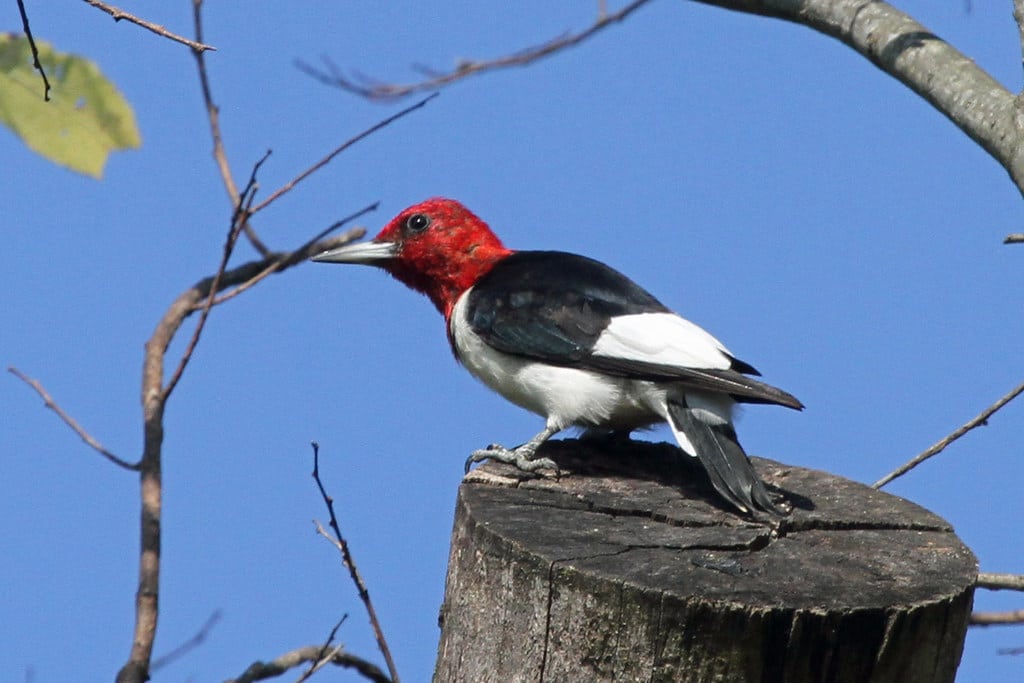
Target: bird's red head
(438,247)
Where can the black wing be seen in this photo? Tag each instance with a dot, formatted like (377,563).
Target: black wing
(553,306)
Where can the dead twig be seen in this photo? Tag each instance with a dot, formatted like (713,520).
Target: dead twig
(35,51)
(259,671)
(1014,238)
(281,261)
(997,618)
(213,117)
(346,557)
(70,421)
(939,446)
(326,652)
(385,91)
(154,399)
(242,212)
(118,14)
(997,582)
(192,643)
(287,187)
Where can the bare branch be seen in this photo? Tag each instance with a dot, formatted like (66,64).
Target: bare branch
(1010,651)
(154,394)
(259,671)
(119,14)
(435,80)
(284,189)
(154,401)
(997,618)
(995,582)
(192,643)
(326,652)
(901,47)
(349,562)
(242,212)
(35,52)
(70,421)
(1014,238)
(213,117)
(938,447)
(1018,16)
(310,248)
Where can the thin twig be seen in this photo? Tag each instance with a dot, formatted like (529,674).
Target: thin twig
(997,618)
(1010,651)
(192,643)
(242,212)
(338,150)
(213,117)
(323,660)
(326,652)
(349,562)
(70,421)
(938,447)
(386,91)
(35,52)
(259,671)
(119,14)
(996,582)
(300,254)
(1014,238)
(279,262)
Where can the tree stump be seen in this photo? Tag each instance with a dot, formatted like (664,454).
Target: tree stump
(627,568)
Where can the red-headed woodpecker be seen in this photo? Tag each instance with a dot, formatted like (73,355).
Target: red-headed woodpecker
(574,341)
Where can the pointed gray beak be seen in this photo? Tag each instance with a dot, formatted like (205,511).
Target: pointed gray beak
(371,252)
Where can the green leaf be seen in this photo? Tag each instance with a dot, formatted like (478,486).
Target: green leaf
(86,117)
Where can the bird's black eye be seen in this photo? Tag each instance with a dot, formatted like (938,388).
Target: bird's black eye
(418,222)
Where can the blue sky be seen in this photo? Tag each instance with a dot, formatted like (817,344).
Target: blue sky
(763,180)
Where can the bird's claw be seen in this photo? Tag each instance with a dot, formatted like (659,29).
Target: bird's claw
(519,458)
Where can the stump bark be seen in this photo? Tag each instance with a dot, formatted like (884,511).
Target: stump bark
(627,568)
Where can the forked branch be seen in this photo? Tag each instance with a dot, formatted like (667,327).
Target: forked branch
(346,557)
(375,90)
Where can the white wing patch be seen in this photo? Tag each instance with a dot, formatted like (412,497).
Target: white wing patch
(662,338)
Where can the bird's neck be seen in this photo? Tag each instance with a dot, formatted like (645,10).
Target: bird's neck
(444,277)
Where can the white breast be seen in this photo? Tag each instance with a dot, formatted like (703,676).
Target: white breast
(565,396)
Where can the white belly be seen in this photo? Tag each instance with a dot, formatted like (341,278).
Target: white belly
(565,396)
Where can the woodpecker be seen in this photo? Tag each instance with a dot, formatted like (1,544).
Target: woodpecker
(574,341)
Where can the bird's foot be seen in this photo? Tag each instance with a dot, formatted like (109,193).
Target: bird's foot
(522,458)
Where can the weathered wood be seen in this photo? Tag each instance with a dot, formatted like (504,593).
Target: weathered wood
(626,568)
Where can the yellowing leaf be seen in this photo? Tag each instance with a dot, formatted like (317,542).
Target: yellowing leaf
(86,117)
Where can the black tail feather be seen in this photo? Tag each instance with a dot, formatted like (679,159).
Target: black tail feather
(723,458)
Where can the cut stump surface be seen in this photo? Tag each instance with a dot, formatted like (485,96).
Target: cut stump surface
(627,568)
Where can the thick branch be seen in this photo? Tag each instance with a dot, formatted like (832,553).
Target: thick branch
(154,397)
(892,40)
(900,46)
(997,618)
(995,582)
